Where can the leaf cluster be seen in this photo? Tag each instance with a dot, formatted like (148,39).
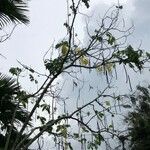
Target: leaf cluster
(139,120)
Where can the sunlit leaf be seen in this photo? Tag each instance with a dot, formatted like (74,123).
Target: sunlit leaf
(64,49)
(84,60)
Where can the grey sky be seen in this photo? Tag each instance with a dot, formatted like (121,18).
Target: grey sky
(141,17)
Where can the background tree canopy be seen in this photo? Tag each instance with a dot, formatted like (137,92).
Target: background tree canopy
(139,120)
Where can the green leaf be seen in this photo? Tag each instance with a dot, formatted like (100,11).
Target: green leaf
(148,55)
(111,126)
(64,49)
(54,66)
(15,71)
(61,44)
(98,139)
(111,39)
(88,113)
(99,114)
(49,129)
(46,107)
(76,135)
(69,145)
(86,2)
(23,98)
(84,129)
(92,146)
(119,7)
(107,103)
(31,77)
(42,119)
(82,140)
(31,70)
(126,106)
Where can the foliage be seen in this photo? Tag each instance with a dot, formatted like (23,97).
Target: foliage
(139,120)
(10,95)
(12,11)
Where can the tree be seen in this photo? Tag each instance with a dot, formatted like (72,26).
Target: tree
(10,109)
(12,11)
(85,122)
(139,120)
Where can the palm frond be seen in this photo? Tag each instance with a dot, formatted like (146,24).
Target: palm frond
(12,11)
(8,102)
(3,139)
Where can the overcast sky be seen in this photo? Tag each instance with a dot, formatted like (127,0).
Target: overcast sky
(29,43)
